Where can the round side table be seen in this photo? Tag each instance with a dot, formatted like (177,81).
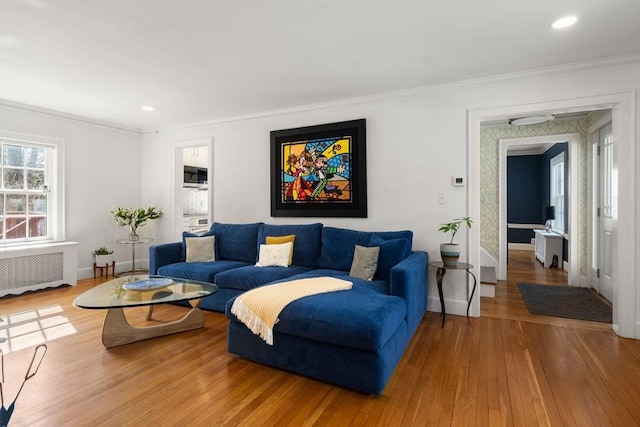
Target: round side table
(442,270)
(133,244)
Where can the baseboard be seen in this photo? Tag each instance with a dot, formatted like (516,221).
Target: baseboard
(453,306)
(488,260)
(522,247)
(121,266)
(488,291)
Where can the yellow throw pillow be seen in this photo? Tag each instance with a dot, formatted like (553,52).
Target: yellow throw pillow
(277,240)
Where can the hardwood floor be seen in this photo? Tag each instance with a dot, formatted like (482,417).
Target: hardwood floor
(505,368)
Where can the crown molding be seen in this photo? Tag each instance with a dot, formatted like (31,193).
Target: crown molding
(538,73)
(68,116)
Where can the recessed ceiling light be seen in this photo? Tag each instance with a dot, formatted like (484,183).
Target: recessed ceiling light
(147,108)
(531,120)
(565,22)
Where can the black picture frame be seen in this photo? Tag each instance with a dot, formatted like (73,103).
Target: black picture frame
(320,171)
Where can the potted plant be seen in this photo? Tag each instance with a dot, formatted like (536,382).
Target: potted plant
(134,218)
(450,252)
(103,256)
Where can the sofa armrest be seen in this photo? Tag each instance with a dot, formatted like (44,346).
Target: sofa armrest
(409,280)
(164,254)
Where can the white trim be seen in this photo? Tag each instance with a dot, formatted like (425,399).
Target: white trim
(486,260)
(574,169)
(178,177)
(56,214)
(600,123)
(574,68)
(525,226)
(626,300)
(535,150)
(55,113)
(553,163)
(522,246)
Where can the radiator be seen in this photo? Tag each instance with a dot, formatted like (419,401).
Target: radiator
(32,267)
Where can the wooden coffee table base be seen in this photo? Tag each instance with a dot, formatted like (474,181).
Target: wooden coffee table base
(117,331)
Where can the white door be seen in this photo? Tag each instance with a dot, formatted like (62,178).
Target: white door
(604,212)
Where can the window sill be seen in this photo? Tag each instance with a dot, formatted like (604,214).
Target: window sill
(25,246)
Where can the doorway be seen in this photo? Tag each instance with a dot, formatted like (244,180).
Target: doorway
(505,145)
(193,182)
(624,209)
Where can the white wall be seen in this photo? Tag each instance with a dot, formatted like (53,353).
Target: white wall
(416,143)
(102,171)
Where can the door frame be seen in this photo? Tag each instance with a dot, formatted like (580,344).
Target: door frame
(573,202)
(178,177)
(593,132)
(626,292)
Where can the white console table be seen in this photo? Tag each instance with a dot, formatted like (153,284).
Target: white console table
(547,245)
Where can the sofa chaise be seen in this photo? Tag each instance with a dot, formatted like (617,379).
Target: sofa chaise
(352,338)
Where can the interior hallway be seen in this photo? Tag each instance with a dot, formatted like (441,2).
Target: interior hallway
(508,303)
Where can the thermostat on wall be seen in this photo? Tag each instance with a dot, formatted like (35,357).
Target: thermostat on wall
(458,181)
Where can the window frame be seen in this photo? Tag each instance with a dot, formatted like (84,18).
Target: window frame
(54,173)
(559,160)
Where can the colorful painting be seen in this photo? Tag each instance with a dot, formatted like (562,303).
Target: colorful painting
(319,170)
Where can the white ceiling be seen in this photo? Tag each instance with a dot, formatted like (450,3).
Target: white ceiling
(199,61)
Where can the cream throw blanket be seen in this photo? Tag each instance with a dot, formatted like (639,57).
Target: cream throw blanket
(259,308)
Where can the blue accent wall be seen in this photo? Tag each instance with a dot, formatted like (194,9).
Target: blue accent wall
(524,189)
(524,195)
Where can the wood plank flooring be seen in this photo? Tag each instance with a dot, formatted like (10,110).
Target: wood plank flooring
(506,368)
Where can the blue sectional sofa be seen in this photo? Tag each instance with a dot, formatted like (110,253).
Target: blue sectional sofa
(351,338)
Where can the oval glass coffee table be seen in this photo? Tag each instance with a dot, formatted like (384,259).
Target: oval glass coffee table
(143,290)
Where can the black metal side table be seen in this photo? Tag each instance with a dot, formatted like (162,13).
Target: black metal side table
(442,270)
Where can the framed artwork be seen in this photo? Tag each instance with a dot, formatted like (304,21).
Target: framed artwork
(320,171)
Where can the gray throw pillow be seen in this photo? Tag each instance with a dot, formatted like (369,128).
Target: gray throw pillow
(200,249)
(365,262)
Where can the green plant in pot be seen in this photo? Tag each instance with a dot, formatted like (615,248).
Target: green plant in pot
(134,218)
(103,256)
(450,252)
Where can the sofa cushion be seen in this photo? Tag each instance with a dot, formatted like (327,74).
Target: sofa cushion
(361,317)
(250,277)
(306,248)
(391,253)
(236,242)
(338,245)
(380,286)
(202,271)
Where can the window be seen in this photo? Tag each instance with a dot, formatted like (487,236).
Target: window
(30,194)
(557,198)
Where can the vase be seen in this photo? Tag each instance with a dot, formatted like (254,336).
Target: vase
(450,252)
(133,233)
(104,260)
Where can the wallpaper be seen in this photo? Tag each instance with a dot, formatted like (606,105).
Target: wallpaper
(489,175)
